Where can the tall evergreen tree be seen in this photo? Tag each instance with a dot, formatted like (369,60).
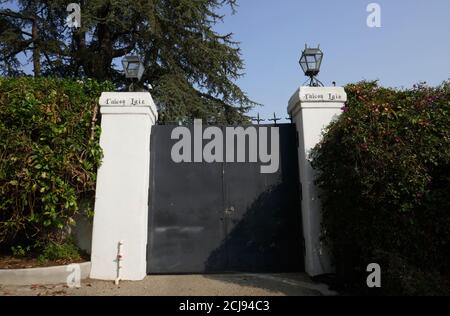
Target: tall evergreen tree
(191,67)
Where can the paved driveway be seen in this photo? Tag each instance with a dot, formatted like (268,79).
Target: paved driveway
(188,285)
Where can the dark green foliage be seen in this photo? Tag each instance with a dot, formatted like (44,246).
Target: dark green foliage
(67,251)
(191,67)
(19,251)
(384,171)
(49,154)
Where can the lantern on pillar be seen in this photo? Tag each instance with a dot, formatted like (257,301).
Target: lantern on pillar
(134,69)
(310,61)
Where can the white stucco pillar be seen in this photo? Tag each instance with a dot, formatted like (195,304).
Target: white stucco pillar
(312,109)
(121,202)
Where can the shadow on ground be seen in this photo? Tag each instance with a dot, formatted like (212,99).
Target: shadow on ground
(297,284)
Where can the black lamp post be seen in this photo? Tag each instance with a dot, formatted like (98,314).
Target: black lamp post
(134,69)
(310,62)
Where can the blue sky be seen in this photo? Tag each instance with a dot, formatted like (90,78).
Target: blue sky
(413,44)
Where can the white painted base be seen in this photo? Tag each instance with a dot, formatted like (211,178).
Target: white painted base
(121,205)
(312,109)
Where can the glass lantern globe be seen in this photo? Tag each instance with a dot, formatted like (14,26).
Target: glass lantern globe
(133,67)
(310,61)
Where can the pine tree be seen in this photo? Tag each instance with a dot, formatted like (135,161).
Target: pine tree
(191,67)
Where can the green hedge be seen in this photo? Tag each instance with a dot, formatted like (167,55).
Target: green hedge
(49,156)
(384,172)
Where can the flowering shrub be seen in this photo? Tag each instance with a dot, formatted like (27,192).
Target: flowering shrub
(384,173)
(49,156)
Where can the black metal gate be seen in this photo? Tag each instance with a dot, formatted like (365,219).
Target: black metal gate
(223,217)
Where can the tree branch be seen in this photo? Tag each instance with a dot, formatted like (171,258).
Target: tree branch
(123,51)
(16,15)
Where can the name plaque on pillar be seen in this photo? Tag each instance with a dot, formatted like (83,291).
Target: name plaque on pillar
(320,94)
(312,97)
(321,97)
(129,99)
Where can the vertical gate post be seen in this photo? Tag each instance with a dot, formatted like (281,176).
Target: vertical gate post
(312,109)
(121,201)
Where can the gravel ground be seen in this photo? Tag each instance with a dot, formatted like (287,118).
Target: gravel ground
(186,285)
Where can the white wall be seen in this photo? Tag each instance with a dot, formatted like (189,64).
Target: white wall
(312,109)
(121,205)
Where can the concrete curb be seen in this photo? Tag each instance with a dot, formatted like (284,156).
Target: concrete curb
(42,276)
